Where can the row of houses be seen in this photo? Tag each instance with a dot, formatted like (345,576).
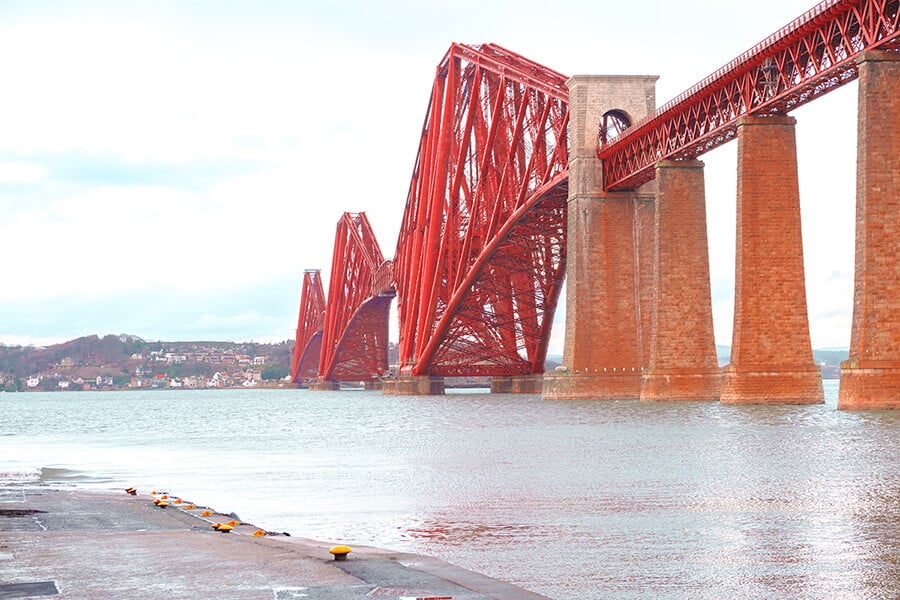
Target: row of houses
(216,380)
(212,355)
(79,383)
(55,381)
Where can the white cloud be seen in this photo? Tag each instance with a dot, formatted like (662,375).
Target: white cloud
(21,172)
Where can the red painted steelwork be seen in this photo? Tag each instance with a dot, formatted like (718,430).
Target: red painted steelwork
(355,332)
(305,360)
(809,57)
(481,253)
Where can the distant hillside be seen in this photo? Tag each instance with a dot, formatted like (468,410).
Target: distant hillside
(111,349)
(122,352)
(723,353)
(831,356)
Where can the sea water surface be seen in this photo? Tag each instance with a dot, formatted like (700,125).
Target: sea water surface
(574,500)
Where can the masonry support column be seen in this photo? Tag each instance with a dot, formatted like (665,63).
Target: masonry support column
(870,379)
(517,384)
(324,385)
(683,361)
(771,354)
(607,272)
(413,385)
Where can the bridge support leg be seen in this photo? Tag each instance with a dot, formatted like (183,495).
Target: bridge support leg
(517,384)
(324,385)
(604,348)
(683,362)
(609,250)
(870,379)
(414,385)
(771,354)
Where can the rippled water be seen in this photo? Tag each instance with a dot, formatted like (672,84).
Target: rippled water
(573,500)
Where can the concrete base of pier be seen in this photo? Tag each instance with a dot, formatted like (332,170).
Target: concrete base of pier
(414,385)
(372,385)
(609,385)
(111,546)
(324,385)
(517,384)
(800,386)
(869,386)
(681,385)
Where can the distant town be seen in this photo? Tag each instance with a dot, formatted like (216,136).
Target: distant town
(128,362)
(117,362)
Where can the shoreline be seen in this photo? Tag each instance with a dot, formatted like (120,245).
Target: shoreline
(102,544)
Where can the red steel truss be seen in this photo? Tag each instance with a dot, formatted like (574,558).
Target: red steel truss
(481,253)
(305,360)
(809,57)
(355,332)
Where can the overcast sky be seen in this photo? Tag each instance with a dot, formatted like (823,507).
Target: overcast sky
(168,169)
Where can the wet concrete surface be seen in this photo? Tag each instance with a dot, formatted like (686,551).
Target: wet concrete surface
(59,542)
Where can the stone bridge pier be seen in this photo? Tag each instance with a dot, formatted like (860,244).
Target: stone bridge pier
(610,241)
(870,379)
(638,307)
(771,354)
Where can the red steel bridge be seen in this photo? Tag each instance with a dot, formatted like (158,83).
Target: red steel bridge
(482,252)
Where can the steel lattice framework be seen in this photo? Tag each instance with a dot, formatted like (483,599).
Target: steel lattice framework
(809,57)
(308,343)
(481,253)
(355,331)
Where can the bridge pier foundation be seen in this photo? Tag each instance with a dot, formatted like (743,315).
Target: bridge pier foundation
(870,379)
(610,242)
(683,362)
(771,353)
(517,384)
(608,291)
(324,385)
(414,385)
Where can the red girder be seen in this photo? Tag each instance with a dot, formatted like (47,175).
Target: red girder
(305,360)
(807,58)
(355,331)
(362,354)
(481,253)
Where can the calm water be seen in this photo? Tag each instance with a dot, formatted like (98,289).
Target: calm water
(573,500)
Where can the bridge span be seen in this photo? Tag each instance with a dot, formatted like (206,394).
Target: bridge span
(526,180)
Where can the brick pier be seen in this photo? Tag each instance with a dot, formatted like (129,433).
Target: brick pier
(683,362)
(771,354)
(870,379)
(610,238)
(413,385)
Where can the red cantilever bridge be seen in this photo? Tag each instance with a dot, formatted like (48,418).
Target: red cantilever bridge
(523,174)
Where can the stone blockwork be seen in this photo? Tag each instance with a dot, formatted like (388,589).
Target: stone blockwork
(517,384)
(603,384)
(609,268)
(771,354)
(870,379)
(683,362)
(324,385)
(606,340)
(413,385)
